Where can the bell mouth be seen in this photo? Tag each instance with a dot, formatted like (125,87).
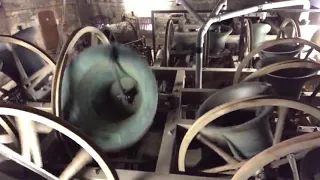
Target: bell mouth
(293,73)
(283,49)
(121,97)
(241,120)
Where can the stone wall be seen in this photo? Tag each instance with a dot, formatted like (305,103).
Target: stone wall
(141,8)
(24,13)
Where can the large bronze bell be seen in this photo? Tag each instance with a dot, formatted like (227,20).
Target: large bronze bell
(110,93)
(245,132)
(287,82)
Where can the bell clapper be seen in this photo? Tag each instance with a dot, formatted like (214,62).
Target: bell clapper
(124,95)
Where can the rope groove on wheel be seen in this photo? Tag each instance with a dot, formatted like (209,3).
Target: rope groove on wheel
(233,106)
(61,126)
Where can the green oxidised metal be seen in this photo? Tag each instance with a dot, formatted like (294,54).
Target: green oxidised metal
(259,31)
(286,82)
(245,132)
(218,35)
(91,98)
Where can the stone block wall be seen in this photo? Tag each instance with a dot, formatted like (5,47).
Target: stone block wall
(23,13)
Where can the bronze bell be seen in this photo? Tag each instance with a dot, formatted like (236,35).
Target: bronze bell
(287,82)
(218,35)
(259,32)
(245,132)
(110,93)
(281,50)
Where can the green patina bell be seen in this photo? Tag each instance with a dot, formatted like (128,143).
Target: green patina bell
(245,132)
(112,98)
(218,35)
(259,32)
(286,82)
(281,50)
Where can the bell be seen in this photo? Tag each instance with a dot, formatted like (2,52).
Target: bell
(287,82)
(259,32)
(282,50)
(309,166)
(218,35)
(110,93)
(245,132)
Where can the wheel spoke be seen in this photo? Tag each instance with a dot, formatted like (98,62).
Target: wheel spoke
(29,140)
(22,72)
(7,152)
(282,113)
(79,161)
(293,165)
(23,132)
(308,53)
(216,149)
(283,161)
(10,129)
